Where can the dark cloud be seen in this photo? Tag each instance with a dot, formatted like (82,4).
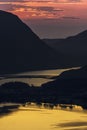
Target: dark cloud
(75,0)
(70,17)
(39,8)
(50,9)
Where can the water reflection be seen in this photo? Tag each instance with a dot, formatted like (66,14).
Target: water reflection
(6,109)
(73,125)
(53,106)
(34,77)
(44,116)
(4,112)
(76,129)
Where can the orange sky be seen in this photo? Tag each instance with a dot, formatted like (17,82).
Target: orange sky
(53,18)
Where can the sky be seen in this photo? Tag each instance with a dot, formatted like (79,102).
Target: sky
(50,18)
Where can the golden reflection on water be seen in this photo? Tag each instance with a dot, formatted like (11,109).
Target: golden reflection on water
(36,81)
(35,118)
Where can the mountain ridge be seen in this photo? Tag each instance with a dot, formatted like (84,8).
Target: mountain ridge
(74,48)
(20,48)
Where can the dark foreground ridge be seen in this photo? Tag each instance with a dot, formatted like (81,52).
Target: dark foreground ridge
(20,48)
(60,91)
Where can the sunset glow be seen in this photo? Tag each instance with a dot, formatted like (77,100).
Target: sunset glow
(62,13)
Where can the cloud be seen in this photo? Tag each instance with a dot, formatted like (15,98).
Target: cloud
(62,1)
(38,8)
(74,0)
(71,17)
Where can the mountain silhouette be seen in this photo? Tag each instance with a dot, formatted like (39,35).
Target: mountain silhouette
(80,73)
(20,48)
(69,87)
(73,48)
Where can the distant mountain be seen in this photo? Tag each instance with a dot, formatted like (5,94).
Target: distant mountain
(21,49)
(74,48)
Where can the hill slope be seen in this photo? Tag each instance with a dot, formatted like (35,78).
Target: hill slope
(74,48)
(80,73)
(20,48)
(69,87)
